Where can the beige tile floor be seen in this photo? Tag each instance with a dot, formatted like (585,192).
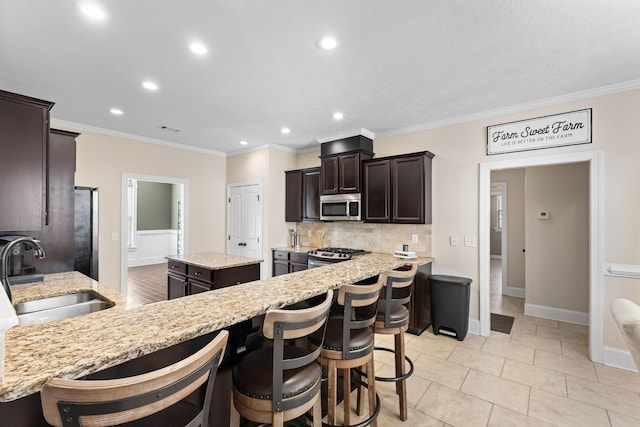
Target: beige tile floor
(539,375)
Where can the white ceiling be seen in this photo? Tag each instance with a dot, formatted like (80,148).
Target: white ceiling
(399,64)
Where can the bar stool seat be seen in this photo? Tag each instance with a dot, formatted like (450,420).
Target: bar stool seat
(360,338)
(398,315)
(253,376)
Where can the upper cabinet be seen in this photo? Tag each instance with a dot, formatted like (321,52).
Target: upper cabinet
(340,164)
(302,195)
(24,132)
(397,189)
(341,173)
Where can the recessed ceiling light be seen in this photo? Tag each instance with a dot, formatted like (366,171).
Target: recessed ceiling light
(93,11)
(328,43)
(243,142)
(116,111)
(198,48)
(285,131)
(149,85)
(338,115)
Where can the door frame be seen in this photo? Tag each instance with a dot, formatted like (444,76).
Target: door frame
(124,250)
(263,231)
(504,254)
(596,238)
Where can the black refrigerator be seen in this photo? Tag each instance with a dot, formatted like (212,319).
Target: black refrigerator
(86,231)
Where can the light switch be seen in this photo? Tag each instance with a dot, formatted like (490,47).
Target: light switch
(114,236)
(454,241)
(470,241)
(414,238)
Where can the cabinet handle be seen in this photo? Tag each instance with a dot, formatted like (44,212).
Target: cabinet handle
(197,273)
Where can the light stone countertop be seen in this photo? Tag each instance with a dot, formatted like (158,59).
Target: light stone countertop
(214,260)
(78,346)
(299,249)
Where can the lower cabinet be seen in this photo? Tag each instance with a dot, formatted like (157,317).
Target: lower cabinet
(184,279)
(285,262)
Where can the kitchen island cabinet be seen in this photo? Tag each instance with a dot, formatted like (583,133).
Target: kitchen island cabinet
(88,344)
(202,272)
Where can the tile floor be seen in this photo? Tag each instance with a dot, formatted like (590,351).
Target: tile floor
(539,375)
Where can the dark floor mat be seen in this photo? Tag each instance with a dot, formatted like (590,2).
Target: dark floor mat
(500,323)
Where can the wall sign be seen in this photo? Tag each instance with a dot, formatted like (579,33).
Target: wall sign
(543,132)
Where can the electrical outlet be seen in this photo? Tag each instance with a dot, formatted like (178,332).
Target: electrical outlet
(454,241)
(414,238)
(470,241)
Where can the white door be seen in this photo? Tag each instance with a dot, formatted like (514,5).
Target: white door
(244,215)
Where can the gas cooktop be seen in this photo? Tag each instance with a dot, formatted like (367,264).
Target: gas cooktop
(337,253)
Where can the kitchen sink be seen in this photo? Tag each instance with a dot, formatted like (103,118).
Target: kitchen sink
(59,307)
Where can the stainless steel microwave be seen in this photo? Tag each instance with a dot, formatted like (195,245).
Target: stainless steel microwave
(341,207)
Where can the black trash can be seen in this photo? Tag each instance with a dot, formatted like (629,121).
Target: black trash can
(450,305)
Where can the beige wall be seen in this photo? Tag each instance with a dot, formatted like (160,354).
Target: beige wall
(515,179)
(100,162)
(557,257)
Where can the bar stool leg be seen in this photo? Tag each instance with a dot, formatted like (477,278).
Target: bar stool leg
(346,400)
(371,383)
(278,419)
(234,415)
(401,386)
(360,399)
(332,373)
(317,413)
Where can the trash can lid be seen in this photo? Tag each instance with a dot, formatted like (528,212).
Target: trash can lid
(451,279)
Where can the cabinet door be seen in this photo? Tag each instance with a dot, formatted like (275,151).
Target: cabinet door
(329,175)
(280,268)
(349,173)
(311,195)
(293,196)
(293,267)
(377,191)
(196,287)
(408,189)
(177,286)
(24,130)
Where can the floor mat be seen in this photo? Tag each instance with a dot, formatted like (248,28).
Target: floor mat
(500,323)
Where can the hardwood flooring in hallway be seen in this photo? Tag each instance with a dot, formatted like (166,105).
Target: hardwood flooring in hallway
(147,283)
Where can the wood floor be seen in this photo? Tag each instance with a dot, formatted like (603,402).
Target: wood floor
(147,283)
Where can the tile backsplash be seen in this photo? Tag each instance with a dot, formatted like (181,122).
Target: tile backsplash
(384,238)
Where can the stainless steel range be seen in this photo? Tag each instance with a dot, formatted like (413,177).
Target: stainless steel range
(326,256)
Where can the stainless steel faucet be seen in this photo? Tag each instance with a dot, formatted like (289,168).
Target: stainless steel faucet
(38,252)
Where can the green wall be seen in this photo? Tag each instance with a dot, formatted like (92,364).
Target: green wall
(155,206)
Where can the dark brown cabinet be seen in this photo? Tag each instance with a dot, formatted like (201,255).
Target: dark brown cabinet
(285,262)
(24,132)
(185,279)
(398,189)
(341,173)
(302,195)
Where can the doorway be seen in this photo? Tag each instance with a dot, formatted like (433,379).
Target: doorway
(596,200)
(244,220)
(498,244)
(143,249)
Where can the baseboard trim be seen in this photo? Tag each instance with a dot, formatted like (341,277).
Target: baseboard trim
(619,358)
(474,327)
(553,313)
(515,292)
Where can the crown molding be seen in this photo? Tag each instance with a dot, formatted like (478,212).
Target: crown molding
(364,132)
(262,147)
(518,108)
(118,134)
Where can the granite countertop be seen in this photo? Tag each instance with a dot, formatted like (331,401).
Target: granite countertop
(299,249)
(214,260)
(78,346)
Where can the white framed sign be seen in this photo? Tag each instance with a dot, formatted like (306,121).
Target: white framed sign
(543,132)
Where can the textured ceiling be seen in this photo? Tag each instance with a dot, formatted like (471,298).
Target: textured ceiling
(399,64)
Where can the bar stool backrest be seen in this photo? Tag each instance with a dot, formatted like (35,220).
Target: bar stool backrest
(352,296)
(281,325)
(85,403)
(396,280)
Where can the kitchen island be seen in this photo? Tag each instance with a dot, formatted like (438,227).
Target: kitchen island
(75,347)
(205,271)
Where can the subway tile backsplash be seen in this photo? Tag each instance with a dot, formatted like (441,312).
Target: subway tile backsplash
(383,238)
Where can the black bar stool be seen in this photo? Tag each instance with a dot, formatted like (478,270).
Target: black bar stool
(151,399)
(349,343)
(281,382)
(393,319)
